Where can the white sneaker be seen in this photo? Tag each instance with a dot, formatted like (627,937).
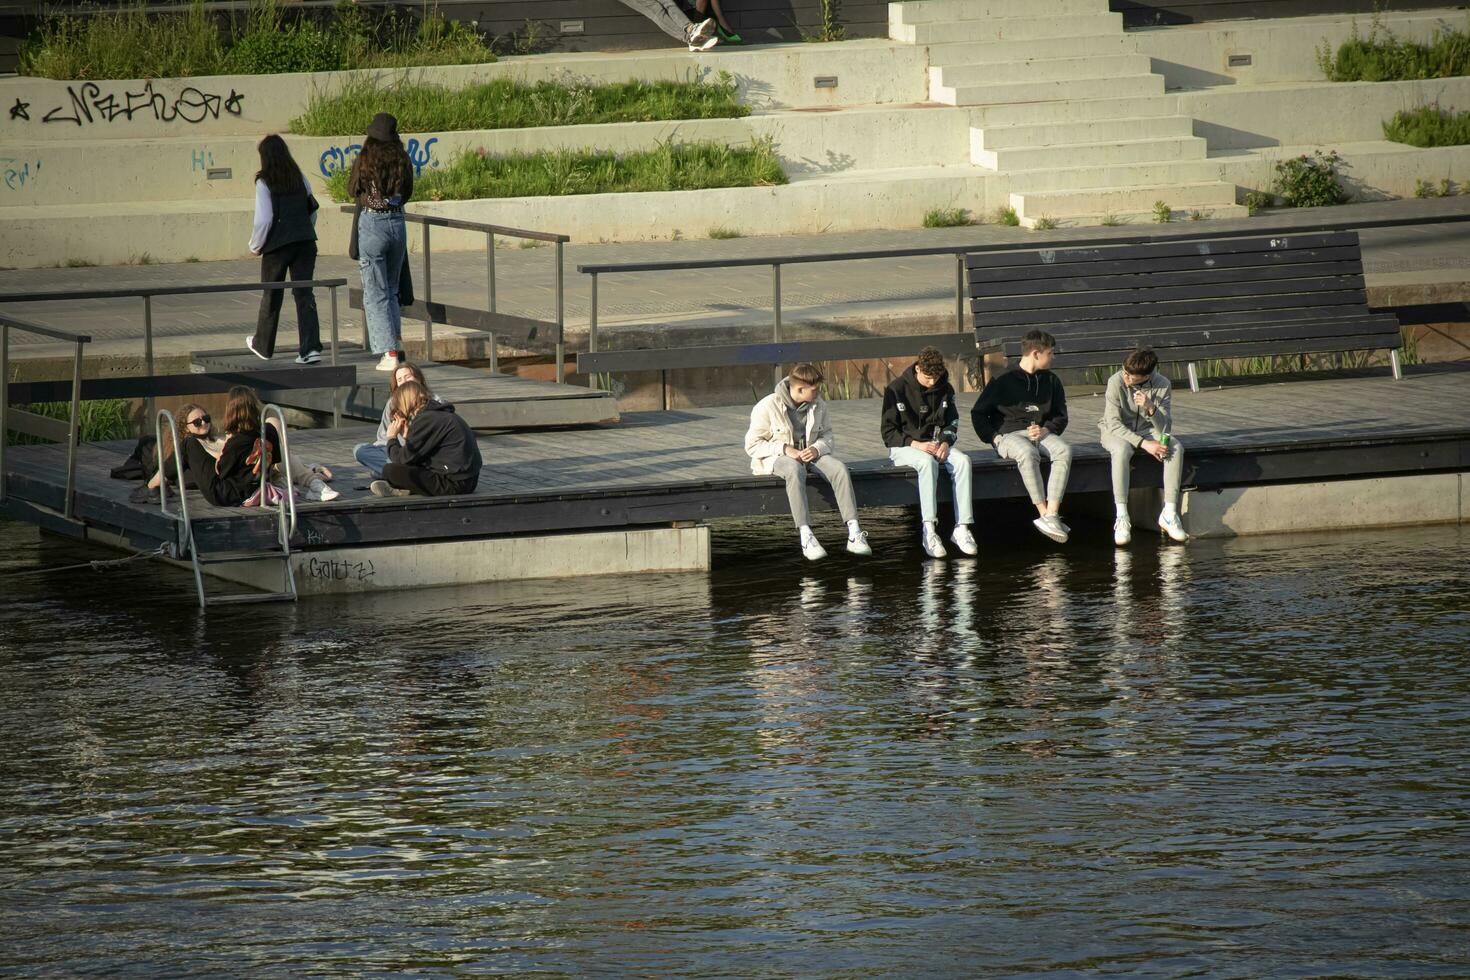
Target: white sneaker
(813,549)
(964,540)
(310,357)
(1052,528)
(1172,526)
(858,544)
(388,363)
(322,470)
(933,547)
(1122,531)
(320,491)
(250,343)
(703,31)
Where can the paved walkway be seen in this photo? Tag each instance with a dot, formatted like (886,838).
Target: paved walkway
(740,297)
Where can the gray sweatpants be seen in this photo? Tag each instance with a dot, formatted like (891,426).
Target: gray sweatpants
(1027,454)
(1122,452)
(665,13)
(832,469)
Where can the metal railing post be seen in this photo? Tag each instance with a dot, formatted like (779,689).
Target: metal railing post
(959,292)
(776,323)
(337,392)
(592,330)
(428,295)
(68,504)
(561,347)
(148,345)
(490,296)
(4,400)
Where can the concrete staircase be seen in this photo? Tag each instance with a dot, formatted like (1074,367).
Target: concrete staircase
(1077,123)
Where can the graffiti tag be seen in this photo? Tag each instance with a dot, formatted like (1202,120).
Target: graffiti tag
(88,104)
(339,570)
(15,173)
(335,158)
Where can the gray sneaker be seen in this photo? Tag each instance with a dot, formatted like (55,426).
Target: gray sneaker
(1052,528)
(382,488)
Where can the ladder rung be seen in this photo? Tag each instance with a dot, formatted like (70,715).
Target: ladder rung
(225,557)
(225,600)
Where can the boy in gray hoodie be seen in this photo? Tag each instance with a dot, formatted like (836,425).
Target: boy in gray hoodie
(1137,415)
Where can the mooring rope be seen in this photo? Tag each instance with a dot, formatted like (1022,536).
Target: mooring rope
(95,566)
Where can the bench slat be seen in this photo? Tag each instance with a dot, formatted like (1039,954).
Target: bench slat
(1202,321)
(1161,295)
(1164,340)
(1170,264)
(1017,318)
(1206,278)
(1222,246)
(1204,352)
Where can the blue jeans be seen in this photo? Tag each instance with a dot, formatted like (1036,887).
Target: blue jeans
(927,468)
(372,455)
(382,244)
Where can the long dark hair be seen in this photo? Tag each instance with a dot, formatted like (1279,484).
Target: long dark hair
(242,411)
(278,171)
(381,164)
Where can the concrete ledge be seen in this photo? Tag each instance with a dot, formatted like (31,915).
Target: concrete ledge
(1380,502)
(370,569)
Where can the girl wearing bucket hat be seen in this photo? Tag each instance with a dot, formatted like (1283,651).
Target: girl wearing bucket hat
(381,181)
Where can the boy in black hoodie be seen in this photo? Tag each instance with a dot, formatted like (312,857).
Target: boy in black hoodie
(1023,413)
(920,426)
(439,456)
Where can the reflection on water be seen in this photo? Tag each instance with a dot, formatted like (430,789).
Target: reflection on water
(1235,758)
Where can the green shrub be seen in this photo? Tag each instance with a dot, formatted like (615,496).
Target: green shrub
(1163,214)
(1257,201)
(1381,57)
(1309,181)
(947,218)
(101,421)
(1045,223)
(723,233)
(507,104)
(287,49)
(1007,216)
(125,43)
(1427,126)
(669,167)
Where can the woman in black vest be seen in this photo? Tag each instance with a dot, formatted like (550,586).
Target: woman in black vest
(285,239)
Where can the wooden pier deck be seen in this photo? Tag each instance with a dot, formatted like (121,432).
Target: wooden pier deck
(483,399)
(660,467)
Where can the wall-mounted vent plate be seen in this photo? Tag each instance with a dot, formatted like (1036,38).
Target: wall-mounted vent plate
(573,27)
(825,81)
(218,173)
(1238,61)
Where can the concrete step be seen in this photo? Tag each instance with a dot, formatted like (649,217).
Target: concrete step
(1020,159)
(942,11)
(1074,111)
(1039,70)
(993,52)
(1211,213)
(1022,92)
(1120,200)
(1090,131)
(1149,172)
(1029,28)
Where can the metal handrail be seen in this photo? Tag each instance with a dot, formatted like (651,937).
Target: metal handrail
(186,539)
(74,430)
(290,495)
(489,231)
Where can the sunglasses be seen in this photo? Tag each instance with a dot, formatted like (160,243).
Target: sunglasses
(200,420)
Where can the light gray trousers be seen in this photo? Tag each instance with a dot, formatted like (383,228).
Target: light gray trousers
(1027,454)
(665,13)
(833,470)
(1122,452)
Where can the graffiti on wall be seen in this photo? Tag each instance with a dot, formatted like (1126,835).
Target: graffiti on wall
(89,104)
(17,173)
(335,158)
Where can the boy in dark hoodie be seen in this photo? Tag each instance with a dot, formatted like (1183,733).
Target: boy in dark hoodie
(439,456)
(920,427)
(1023,413)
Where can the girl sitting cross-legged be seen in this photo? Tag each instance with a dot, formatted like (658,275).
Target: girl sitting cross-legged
(439,456)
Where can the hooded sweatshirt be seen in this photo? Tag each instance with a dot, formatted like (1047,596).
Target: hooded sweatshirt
(1014,400)
(777,421)
(441,441)
(1125,420)
(913,413)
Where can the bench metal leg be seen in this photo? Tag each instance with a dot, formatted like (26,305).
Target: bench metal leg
(1193,378)
(1398,369)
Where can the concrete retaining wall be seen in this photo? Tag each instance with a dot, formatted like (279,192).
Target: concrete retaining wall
(1398,501)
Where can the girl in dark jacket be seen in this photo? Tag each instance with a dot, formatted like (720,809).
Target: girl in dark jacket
(284,237)
(439,456)
(236,476)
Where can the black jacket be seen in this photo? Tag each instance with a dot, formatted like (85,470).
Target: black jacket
(1014,400)
(913,413)
(441,441)
(239,477)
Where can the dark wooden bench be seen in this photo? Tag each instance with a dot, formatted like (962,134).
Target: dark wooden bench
(1191,300)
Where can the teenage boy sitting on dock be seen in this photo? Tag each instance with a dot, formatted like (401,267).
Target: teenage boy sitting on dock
(920,427)
(1023,413)
(789,435)
(1137,415)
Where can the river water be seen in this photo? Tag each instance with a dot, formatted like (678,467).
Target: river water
(1243,758)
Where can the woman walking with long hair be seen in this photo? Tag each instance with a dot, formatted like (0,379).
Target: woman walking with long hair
(381,181)
(284,237)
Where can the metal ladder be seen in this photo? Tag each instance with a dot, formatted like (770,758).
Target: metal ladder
(185,544)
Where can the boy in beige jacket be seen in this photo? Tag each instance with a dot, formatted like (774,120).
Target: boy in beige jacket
(790,435)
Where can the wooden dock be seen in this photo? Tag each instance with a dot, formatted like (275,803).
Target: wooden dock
(655,468)
(483,399)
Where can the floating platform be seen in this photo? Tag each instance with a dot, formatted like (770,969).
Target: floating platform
(1377,452)
(483,399)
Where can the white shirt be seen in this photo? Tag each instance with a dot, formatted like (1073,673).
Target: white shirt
(265,213)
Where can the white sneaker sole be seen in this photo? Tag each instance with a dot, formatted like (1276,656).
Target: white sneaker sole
(1060,537)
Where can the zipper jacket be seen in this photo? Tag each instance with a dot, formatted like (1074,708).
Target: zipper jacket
(913,413)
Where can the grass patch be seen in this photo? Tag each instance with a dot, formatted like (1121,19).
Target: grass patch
(724,233)
(1007,216)
(668,167)
(101,420)
(1163,214)
(1110,220)
(506,104)
(1428,126)
(1045,223)
(132,42)
(947,218)
(1381,57)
